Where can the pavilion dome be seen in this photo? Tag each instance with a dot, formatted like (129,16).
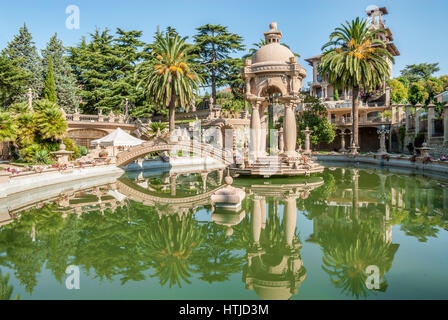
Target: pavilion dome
(272,52)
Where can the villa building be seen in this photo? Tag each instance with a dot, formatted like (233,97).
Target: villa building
(372,109)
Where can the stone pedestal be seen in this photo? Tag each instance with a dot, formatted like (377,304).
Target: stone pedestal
(62,155)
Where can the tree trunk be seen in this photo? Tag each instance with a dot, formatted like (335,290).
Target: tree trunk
(355,124)
(213,74)
(172,112)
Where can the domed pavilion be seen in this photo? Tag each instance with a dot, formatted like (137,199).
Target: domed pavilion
(273,75)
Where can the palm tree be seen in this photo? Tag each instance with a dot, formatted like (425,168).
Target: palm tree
(169,78)
(356,58)
(25,128)
(8,128)
(50,122)
(6,289)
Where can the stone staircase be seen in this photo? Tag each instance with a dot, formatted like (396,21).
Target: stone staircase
(272,165)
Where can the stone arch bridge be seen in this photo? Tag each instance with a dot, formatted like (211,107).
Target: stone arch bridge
(186,147)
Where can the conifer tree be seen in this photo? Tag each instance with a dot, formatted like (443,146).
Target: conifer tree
(49,87)
(67,91)
(23,51)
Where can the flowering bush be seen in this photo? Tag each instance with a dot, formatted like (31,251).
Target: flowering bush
(305,159)
(427,160)
(443,158)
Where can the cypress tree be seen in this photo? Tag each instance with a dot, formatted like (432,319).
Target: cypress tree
(67,91)
(49,87)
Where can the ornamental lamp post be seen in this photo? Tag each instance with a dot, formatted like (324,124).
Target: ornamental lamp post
(382,132)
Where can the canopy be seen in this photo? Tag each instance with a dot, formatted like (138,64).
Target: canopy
(117,138)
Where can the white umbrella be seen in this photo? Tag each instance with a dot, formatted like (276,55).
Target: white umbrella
(117,138)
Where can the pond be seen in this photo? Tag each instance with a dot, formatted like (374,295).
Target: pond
(344,234)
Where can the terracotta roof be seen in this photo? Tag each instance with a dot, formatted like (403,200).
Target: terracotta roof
(310,60)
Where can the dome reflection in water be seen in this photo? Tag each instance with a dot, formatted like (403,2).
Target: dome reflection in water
(157,236)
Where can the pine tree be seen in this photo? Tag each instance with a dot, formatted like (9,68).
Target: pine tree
(13,80)
(49,87)
(22,50)
(67,92)
(215,45)
(105,69)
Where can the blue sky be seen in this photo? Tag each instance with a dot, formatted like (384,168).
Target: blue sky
(418,27)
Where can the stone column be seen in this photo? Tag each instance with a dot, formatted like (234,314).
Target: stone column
(220,176)
(290,130)
(173,184)
(355,195)
(263,134)
(430,120)
(256,221)
(281,145)
(445,123)
(290,216)
(342,149)
(307,132)
(263,212)
(254,131)
(418,108)
(408,115)
(204,180)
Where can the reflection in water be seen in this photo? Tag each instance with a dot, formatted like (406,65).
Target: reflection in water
(6,290)
(137,228)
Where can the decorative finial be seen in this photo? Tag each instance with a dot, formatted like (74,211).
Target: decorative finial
(273,26)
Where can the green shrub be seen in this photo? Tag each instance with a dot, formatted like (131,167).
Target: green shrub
(83,150)
(41,157)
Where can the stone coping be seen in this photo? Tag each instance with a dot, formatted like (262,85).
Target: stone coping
(392,161)
(33,180)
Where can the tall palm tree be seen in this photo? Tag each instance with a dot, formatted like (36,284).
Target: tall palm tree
(355,58)
(170,78)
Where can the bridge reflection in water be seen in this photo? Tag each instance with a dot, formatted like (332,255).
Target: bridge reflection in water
(163,225)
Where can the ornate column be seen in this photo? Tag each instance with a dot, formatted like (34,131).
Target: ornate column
(342,149)
(290,130)
(254,130)
(445,123)
(307,132)
(290,218)
(430,120)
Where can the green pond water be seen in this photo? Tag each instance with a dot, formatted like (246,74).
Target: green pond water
(343,234)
